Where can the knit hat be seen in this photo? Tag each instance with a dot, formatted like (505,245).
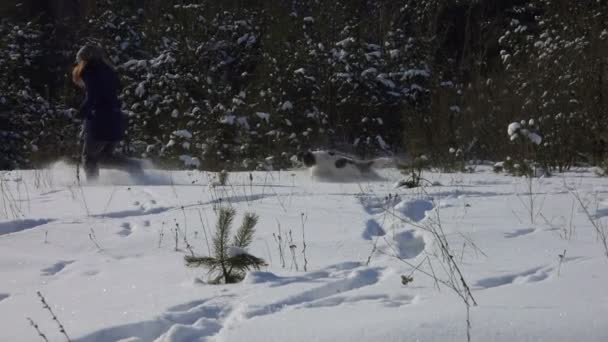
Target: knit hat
(89,52)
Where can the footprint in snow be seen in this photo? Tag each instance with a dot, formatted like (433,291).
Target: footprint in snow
(376,205)
(3,296)
(203,319)
(519,232)
(55,268)
(414,210)
(372,229)
(386,300)
(530,276)
(143,210)
(194,321)
(126,229)
(409,244)
(350,281)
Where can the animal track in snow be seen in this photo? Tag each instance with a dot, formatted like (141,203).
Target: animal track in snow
(372,229)
(182,323)
(414,210)
(519,232)
(142,211)
(376,205)
(21,225)
(409,244)
(3,296)
(530,276)
(55,268)
(600,213)
(127,229)
(352,281)
(386,300)
(90,273)
(312,277)
(202,319)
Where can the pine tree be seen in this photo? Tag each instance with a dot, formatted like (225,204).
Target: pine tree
(230,261)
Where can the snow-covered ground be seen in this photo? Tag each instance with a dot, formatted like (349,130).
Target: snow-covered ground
(104,258)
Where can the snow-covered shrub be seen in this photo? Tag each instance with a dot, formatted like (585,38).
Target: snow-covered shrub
(526,162)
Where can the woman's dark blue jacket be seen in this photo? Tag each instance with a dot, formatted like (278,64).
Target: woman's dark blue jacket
(100,109)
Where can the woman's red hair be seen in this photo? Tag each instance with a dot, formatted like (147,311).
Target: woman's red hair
(77,73)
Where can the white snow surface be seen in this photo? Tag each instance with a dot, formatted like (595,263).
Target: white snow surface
(103,255)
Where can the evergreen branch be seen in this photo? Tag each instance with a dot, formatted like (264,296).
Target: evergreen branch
(194,261)
(244,236)
(245,262)
(220,241)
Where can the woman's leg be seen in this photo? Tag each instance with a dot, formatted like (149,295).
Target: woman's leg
(118,161)
(91,152)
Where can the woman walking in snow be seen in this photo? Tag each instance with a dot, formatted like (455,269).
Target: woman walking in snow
(104,124)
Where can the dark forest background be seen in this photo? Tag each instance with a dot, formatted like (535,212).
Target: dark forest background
(247,84)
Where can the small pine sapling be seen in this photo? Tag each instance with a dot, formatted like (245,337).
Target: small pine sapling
(230,261)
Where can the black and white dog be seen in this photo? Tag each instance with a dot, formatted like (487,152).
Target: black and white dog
(329,165)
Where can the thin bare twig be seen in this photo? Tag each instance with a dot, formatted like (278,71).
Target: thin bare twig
(35,326)
(48,308)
